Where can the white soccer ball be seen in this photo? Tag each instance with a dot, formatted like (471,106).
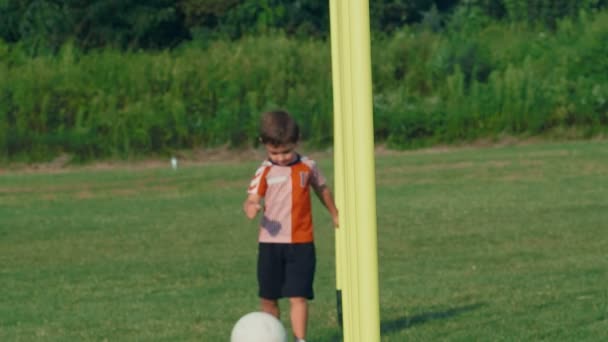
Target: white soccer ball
(258,327)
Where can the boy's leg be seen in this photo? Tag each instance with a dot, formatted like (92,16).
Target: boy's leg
(299,316)
(270,277)
(300,273)
(270,306)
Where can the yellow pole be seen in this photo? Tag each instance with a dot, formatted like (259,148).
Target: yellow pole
(356,245)
(365,214)
(350,288)
(338,156)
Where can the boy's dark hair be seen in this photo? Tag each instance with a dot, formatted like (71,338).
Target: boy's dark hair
(278,128)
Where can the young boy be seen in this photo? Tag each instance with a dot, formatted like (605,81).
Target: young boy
(286,251)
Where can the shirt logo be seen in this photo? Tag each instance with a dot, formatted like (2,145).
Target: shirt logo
(276,180)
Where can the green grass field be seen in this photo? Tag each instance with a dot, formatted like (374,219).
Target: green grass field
(475,244)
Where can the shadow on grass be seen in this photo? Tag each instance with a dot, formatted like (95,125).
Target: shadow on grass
(393,326)
(403,323)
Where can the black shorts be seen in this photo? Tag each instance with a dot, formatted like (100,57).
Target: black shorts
(286,270)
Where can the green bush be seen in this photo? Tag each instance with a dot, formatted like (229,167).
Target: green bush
(113,103)
(475,80)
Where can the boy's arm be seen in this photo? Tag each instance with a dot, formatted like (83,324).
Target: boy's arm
(327,199)
(252,205)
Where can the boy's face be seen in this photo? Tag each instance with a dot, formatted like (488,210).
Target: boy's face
(281,154)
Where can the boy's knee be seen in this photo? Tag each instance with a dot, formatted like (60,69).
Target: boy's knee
(271,306)
(270,302)
(297,300)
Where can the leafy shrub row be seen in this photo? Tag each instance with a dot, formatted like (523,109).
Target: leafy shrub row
(477,79)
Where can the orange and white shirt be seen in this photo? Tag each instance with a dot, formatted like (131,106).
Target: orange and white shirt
(287,213)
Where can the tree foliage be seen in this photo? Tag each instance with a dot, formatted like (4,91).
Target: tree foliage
(42,26)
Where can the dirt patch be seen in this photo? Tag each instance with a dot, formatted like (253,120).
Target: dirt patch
(472,145)
(63,163)
(223,155)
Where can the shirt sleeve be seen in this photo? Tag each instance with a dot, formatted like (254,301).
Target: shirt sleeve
(258,184)
(317,180)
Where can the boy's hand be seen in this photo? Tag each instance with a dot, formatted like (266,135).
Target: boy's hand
(252,205)
(251,209)
(336,219)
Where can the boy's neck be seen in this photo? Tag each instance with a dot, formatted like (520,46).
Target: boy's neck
(295,160)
